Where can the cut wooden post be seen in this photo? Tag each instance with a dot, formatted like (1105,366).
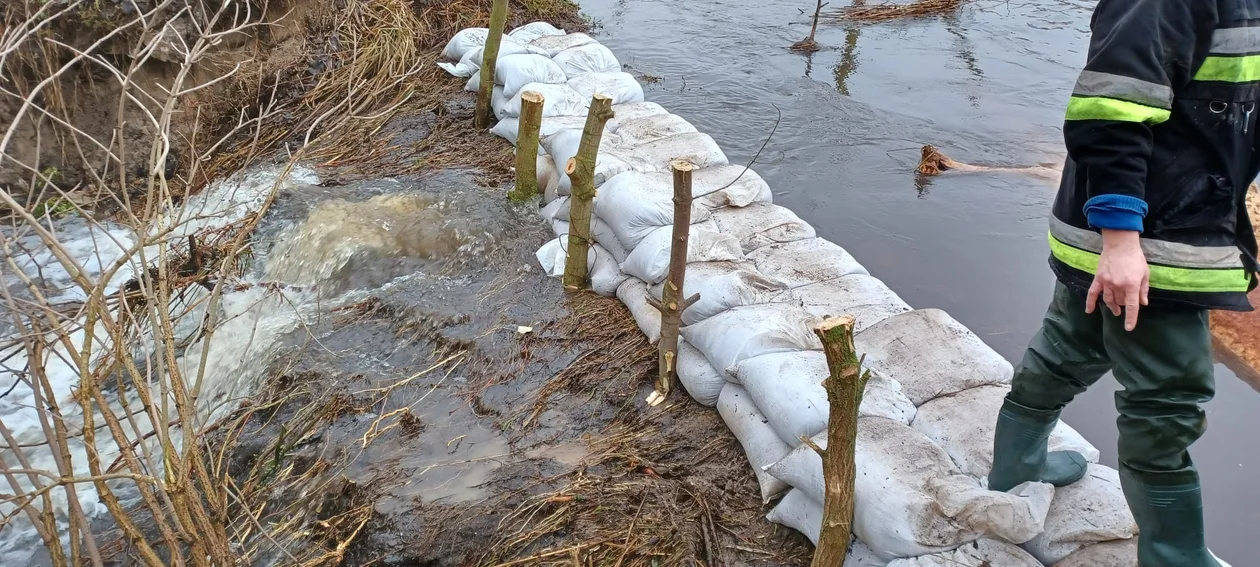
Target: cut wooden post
(845,384)
(527,146)
(808,45)
(581,172)
(498,19)
(672,304)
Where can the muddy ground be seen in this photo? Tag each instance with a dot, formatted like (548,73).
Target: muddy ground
(459,438)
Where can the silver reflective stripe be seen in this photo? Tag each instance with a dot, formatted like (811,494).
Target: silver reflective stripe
(1235,41)
(1093,83)
(1157,251)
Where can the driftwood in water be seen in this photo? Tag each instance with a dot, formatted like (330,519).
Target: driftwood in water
(581,172)
(932,162)
(527,146)
(845,384)
(498,19)
(672,303)
(892,11)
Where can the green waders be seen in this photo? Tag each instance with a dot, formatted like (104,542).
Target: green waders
(1165,367)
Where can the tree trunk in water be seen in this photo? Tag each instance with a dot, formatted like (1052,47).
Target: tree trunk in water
(527,146)
(845,384)
(672,304)
(498,19)
(581,172)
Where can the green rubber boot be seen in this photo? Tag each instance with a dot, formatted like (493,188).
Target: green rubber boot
(1020,454)
(1170,517)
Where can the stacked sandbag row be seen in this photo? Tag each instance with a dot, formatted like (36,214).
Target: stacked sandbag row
(925,431)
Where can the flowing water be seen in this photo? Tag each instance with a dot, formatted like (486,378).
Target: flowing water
(988,85)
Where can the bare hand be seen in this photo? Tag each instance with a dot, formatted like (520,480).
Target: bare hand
(1123,277)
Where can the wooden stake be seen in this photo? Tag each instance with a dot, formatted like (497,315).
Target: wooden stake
(581,172)
(845,384)
(808,44)
(527,146)
(672,304)
(498,19)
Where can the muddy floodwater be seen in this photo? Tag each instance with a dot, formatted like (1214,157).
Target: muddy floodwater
(987,85)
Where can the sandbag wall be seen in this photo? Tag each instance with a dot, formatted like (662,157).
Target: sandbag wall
(924,440)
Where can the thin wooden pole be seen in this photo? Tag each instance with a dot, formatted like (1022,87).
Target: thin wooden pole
(808,45)
(672,304)
(581,172)
(498,19)
(527,146)
(845,384)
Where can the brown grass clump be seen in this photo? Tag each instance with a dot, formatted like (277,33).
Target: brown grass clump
(884,12)
(443,19)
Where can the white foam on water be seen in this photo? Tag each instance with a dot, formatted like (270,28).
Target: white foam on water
(251,322)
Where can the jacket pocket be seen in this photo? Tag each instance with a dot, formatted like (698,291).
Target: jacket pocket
(1203,201)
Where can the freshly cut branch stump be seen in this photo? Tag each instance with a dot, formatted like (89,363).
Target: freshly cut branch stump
(672,303)
(581,172)
(498,19)
(845,384)
(527,146)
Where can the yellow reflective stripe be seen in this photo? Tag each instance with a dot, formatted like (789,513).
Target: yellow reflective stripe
(1162,277)
(1103,108)
(1244,69)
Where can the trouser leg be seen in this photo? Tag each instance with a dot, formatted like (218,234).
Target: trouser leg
(1064,358)
(1165,368)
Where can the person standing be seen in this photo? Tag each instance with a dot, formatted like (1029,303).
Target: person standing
(1148,233)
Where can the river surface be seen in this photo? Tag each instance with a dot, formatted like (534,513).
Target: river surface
(986,85)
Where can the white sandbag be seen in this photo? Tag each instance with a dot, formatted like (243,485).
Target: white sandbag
(787,387)
(556,210)
(464,41)
(634,204)
(1121,553)
(530,32)
(697,148)
(649,261)
(600,234)
(551,45)
(653,128)
(860,555)
(1089,511)
(620,86)
(634,294)
(636,110)
(963,425)
(981,553)
(761,445)
(474,83)
(508,128)
(801,262)
(605,278)
(730,185)
(697,375)
(498,102)
(546,170)
(587,58)
(765,224)
(558,100)
(799,512)
(721,286)
(609,161)
(745,332)
(864,297)
(909,500)
(470,63)
(931,354)
(516,71)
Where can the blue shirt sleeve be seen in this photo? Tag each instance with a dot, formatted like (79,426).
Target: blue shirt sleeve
(1116,212)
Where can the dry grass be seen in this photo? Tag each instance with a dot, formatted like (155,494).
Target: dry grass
(859,11)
